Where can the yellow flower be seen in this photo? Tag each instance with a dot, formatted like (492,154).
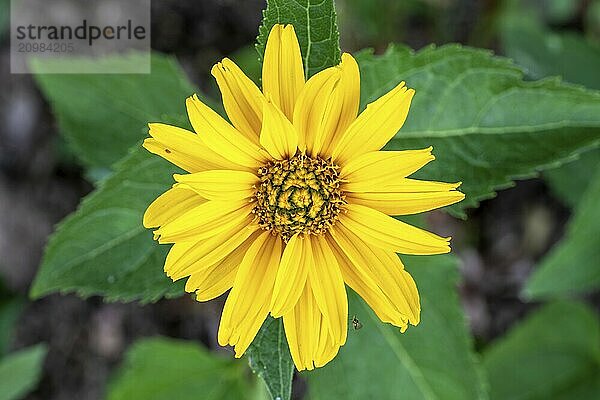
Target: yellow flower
(290,201)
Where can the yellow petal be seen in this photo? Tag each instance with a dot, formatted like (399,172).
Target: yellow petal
(241,98)
(204,221)
(216,280)
(219,184)
(278,136)
(282,74)
(380,230)
(407,196)
(301,331)
(314,108)
(376,125)
(327,105)
(291,326)
(187,258)
(369,264)
(247,305)
(184,149)
(343,106)
(378,168)
(394,278)
(357,274)
(327,284)
(308,335)
(402,185)
(170,205)
(291,276)
(405,203)
(327,349)
(221,137)
(219,277)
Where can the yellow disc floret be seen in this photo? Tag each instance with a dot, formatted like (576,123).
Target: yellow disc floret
(298,195)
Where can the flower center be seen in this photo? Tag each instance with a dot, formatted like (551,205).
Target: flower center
(298,195)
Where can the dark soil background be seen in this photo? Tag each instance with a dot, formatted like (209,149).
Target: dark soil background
(499,244)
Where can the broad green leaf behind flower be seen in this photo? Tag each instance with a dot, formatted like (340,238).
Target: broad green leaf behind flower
(553,354)
(20,371)
(432,361)
(102,116)
(543,52)
(161,368)
(572,267)
(102,248)
(485,123)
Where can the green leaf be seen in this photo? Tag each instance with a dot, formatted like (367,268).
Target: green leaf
(575,59)
(21,371)
(554,353)
(433,360)
(270,359)
(592,20)
(316,28)
(4,17)
(487,126)
(364,25)
(570,181)
(561,11)
(161,368)
(102,248)
(545,53)
(10,309)
(102,116)
(572,266)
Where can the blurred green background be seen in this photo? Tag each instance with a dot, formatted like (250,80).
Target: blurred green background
(62,347)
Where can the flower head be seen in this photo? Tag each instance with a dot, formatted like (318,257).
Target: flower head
(291,201)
